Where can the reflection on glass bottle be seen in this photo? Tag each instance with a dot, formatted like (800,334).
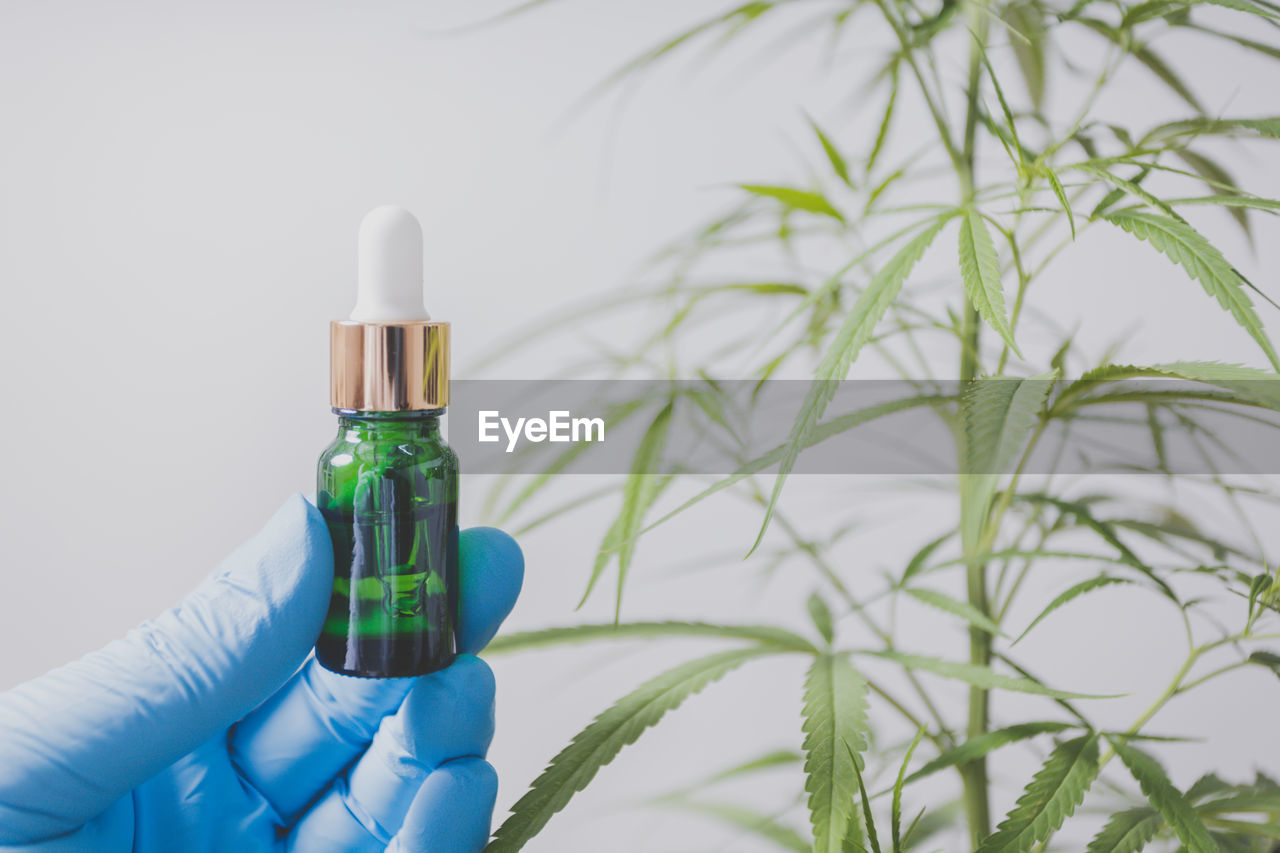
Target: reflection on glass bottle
(387,537)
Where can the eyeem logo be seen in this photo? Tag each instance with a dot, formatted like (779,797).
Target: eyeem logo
(558,427)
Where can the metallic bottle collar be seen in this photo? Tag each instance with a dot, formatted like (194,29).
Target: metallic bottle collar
(388,367)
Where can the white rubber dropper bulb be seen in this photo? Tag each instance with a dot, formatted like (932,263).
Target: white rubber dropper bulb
(389,285)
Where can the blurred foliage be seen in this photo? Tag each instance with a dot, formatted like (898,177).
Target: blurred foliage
(1015,174)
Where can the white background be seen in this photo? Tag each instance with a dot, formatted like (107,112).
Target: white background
(179,189)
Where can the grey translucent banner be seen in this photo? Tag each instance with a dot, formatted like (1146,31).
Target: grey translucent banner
(867,426)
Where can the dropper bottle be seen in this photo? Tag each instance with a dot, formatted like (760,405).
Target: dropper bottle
(388,484)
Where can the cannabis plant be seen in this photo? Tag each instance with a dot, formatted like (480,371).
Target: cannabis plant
(1017,168)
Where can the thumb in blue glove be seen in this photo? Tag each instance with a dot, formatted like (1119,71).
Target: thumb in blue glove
(204,730)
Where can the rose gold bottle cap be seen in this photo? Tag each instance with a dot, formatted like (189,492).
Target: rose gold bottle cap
(390,356)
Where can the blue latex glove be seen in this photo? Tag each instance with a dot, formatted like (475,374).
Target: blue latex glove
(199,732)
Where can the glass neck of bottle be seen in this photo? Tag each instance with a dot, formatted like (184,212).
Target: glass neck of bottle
(417,423)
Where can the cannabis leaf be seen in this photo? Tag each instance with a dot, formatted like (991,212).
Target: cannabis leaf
(1067,595)
(1187,248)
(977,675)
(795,199)
(834,157)
(963,609)
(1166,799)
(854,333)
(639,492)
(600,742)
(895,809)
(998,416)
(980,745)
(1127,831)
(820,614)
(835,723)
(778,638)
(1049,799)
(1026,22)
(980,269)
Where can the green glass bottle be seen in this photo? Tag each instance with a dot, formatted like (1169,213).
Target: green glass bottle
(388,489)
(388,484)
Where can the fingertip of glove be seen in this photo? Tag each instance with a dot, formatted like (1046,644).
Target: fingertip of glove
(492,576)
(475,675)
(452,811)
(294,556)
(463,694)
(267,600)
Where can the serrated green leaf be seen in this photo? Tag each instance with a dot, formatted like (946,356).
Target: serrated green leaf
(895,810)
(1225,200)
(1157,66)
(820,614)
(1206,786)
(834,157)
(734,22)
(1144,54)
(1069,594)
(1133,188)
(1127,831)
(977,675)
(1165,798)
(1084,515)
(639,492)
(1240,834)
(1187,248)
(979,745)
(614,416)
(766,635)
(820,433)
(1270,660)
(851,839)
(1260,584)
(1249,384)
(1217,179)
(1150,10)
(796,199)
(1028,43)
(917,562)
(601,741)
(998,417)
(1268,126)
(1218,797)
(835,725)
(938,820)
(883,133)
(980,270)
(955,607)
(1049,799)
(1258,386)
(1061,194)
(768,761)
(853,334)
(1247,43)
(1261,10)
(1015,148)
(1108,201)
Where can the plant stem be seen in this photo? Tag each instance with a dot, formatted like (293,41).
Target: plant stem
(976,793)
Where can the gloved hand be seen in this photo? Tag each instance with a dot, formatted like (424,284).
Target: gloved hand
(199,732)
